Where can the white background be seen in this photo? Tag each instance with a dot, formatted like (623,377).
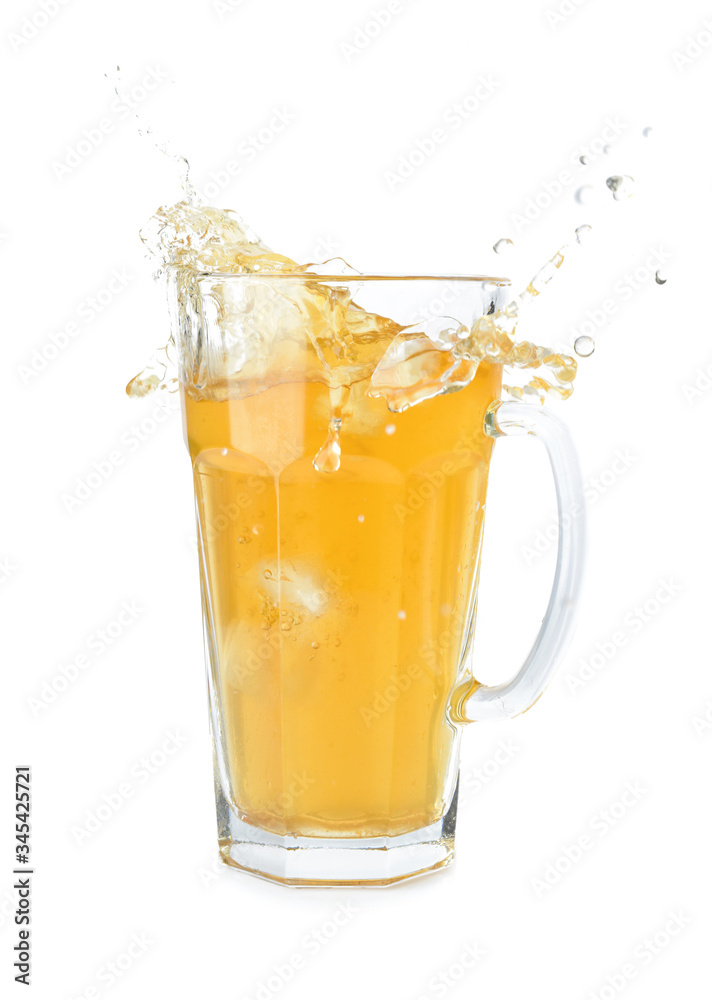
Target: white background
(555,80)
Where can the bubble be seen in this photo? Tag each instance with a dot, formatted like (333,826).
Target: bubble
(621,187)
(402,615)
(583,233)
(501,246)
(257,529)
(660,277)
(584,159)
(223,451)
(584,346)
(315,645)
(390,429)
(647,131)
(584,194)
(361,518)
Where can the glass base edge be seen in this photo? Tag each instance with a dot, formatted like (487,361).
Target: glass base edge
(313,861)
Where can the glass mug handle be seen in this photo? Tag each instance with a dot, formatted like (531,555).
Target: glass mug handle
(475,702)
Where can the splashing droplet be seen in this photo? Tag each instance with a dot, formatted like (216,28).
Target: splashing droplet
(584,194)
(501,246)
(620,187)
(660,277)
(584,346)
(647,132)
(328,458)
(583,233)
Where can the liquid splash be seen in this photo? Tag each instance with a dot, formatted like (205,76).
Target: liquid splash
(584,194)
(328,458)
(501,246)
(584,346)
(346,344)
(620,187)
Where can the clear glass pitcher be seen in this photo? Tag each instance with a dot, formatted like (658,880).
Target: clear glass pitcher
(340,550)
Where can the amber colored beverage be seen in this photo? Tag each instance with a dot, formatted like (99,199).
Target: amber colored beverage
(337,602)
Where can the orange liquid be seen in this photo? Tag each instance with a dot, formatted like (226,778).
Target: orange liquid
(340,603)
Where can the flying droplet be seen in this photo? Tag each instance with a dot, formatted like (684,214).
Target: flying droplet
(620,187)
(583,233)
(660,278)
(584,160)
(584,346)
(647,132)
(501,246)
(584,194)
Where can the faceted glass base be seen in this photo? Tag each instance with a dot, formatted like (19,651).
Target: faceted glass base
(314,861)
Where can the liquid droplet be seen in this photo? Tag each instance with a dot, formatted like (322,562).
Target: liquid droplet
(606,150)
(328,458)
(501,246)
(583,233)
(584,194)
(660,278)
(584,346)
(390,429)
(620,187)
(402,615)
(361,518)
(584,160)
(647,132)
(315,645)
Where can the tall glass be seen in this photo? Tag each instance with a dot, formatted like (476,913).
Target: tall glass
(340,550)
